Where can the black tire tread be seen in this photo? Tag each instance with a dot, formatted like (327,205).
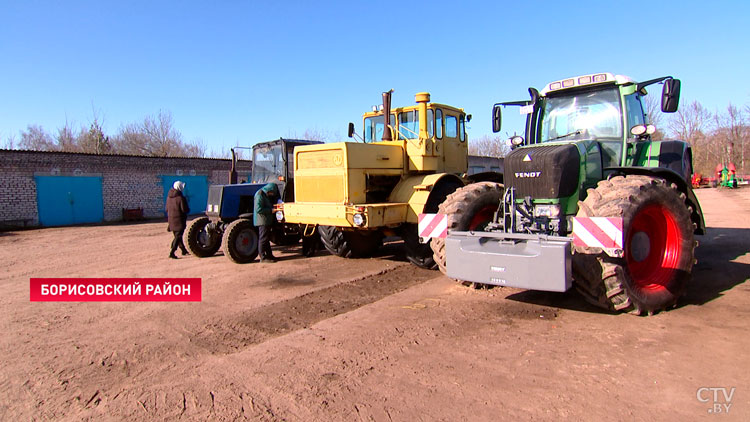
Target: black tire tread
(227,242)
(191,239)
(602,280)
(349,244)
(456,205)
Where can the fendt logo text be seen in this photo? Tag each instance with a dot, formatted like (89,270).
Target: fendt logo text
(528,174)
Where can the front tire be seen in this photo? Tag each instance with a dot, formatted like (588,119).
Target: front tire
(201,241)
(240,241)
(350,243)
(470,208)
(658,241)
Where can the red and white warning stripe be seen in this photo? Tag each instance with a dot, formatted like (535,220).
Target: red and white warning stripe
(598,232)
(433,225)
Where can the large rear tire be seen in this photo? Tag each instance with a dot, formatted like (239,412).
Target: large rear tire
(350,243)
(201,241)
(470,208)
(240,241)
(658,242)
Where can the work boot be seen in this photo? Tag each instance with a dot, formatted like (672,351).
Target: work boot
(268,259)
(184,252)
(173,256)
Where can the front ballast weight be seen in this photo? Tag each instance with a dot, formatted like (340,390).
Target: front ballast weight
(530,261)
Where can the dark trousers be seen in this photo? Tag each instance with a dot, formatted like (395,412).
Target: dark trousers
(264,242)
(177,242)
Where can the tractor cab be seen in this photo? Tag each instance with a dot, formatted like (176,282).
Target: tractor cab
(434,135)
(602,107)
(273,163)
(580,131)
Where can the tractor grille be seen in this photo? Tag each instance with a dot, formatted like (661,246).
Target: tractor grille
(543,172)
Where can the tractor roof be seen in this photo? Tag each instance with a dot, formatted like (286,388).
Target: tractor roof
(413,107)
(587,80)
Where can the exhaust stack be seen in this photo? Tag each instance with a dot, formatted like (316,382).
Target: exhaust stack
(387,135)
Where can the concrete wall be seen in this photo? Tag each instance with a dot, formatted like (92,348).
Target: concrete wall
(127,181)
(478,164)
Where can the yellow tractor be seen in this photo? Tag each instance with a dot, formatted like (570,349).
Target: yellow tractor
(353,194)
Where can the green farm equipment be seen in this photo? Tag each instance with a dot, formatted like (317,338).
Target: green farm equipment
(589,200)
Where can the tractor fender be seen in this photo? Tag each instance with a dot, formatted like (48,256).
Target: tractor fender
(678,156)
(418,190)
(673,177)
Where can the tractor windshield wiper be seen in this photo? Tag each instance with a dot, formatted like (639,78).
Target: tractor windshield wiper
(577,132)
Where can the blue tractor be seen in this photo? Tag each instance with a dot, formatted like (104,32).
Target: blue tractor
(228,223)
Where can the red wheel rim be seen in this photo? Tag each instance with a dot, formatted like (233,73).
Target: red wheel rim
(483,217)
(653,247)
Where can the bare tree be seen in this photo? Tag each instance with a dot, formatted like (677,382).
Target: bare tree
(488,146)
(196,148)
(93,140)
(316,134)
(35,138)
(66,140)
(10,142)
(131,140)
(690,121)
(164,140)
(730,134)
(155,136)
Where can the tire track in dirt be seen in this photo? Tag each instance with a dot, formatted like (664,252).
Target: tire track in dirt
(233,333)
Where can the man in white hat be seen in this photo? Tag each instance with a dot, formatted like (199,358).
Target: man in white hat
(177,212)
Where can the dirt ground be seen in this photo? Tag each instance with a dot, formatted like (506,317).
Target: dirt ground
(327,338)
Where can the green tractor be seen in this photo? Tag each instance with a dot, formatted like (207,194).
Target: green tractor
(589,200)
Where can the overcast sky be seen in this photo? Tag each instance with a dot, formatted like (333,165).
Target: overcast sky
(237,73)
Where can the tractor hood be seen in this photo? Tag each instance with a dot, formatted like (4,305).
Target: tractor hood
(543,172)
(338,172)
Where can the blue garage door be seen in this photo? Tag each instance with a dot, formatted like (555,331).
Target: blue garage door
(196,191)
(64,200)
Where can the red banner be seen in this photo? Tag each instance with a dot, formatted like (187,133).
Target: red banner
(115,289)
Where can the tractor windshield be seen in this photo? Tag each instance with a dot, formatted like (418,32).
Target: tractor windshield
(583,115)
(374,127)
(268,164)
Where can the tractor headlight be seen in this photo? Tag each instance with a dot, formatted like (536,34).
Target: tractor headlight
(279,215)
(358,220)
(551,211)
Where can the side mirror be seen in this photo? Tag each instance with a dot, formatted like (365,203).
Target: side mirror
(468,117)
(497,118)
(350,133)
(670,95)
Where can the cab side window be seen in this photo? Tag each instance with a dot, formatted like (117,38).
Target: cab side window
(439,123)
(635,111)
(462,128)
(430,123)
(451,126)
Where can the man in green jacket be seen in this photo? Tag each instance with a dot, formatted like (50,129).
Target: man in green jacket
(263,218)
